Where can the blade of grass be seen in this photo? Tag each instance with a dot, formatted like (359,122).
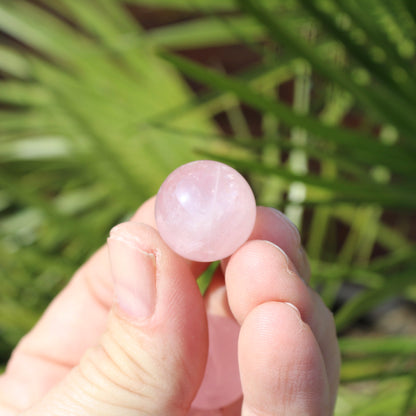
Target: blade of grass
(340,191)
(372,374)
(369,299)
(398,13)
(381,70)
(38,29)
(409,401)
(395,158)
(411,7)
(270,141)
(13,64)
(374,31)
(298,162)
(385,402)
(22,94)
(201,5)
(389,107)
(337,106)
(381,346)
(272,188)
(206,32)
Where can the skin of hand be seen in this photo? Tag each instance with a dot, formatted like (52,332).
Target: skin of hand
(128,334)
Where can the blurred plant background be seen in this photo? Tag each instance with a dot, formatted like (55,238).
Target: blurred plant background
(314,101)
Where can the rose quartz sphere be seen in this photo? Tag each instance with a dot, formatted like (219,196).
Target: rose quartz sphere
(205,210)
(221,384)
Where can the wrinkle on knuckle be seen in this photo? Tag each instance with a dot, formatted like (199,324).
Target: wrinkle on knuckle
(141,367)
(130,372)
(101,381)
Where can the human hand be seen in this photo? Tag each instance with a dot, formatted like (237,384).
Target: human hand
(139,347)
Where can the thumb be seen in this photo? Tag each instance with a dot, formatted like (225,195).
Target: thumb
(151,358)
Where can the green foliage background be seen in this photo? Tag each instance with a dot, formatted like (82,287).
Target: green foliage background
(95,112)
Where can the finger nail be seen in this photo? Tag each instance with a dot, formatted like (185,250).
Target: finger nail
(134,274)
(294,308)
(303,264)
(290,268)
(292,227)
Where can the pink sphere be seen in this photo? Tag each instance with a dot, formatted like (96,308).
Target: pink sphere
(205,210)
(221,384)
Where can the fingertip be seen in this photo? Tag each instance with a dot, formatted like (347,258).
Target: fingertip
(281,367)
(173,280)
(267,327)
(274,226)
(260,272)
(267,216)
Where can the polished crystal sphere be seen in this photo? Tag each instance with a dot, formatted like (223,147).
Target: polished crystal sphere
(205,210)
